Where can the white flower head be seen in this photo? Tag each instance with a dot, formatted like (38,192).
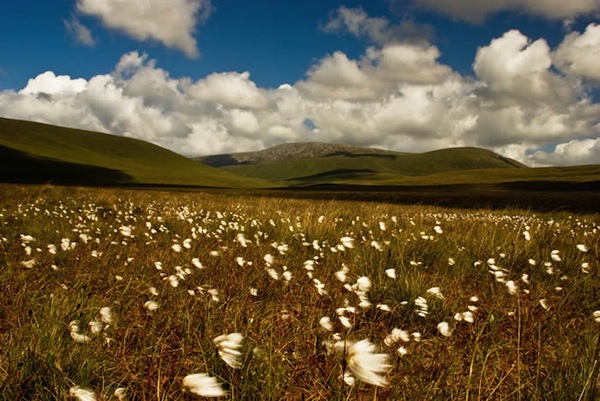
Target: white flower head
(365,364)
(326,324)
(203,385)
(229,345)
(391,273)
(444,329)
(82,394)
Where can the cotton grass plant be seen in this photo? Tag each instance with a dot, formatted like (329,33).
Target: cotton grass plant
(344,300)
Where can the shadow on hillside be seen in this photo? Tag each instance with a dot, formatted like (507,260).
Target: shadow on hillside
(543,196)
(21,167)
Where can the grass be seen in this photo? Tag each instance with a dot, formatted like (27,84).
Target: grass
(66,151)
(399,166)
(515,348)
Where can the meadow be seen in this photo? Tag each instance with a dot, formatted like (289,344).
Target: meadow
(115,294)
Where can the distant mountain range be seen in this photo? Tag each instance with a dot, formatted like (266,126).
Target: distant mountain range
(39,153)
(318,162)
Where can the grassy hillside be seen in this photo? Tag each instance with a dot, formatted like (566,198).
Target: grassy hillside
(369,166)
(34,152)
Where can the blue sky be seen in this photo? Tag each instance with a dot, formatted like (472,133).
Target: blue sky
(202,76)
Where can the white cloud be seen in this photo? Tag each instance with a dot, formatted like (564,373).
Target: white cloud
(577,151)
(80,33)
(171,22)
(378,30)
(229,89)
(397,96)
(50,84)
(579,54)
(476,11)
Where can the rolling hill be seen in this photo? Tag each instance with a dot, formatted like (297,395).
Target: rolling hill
(34,152)
(316,162)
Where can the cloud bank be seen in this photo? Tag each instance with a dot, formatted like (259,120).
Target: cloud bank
(523,99)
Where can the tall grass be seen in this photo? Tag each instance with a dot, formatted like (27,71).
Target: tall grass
(516,348)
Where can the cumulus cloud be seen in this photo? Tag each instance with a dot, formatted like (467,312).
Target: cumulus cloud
(476,11)
(79,32)
(171,22)
(50,84)
(579,54)
(577,151)
(397,95)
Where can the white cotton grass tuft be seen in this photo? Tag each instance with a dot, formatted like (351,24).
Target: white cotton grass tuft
(82,394)
(76,335)
(151,306)
(435,291)
(364,363)
(326,324)
(444,329)
(121,394)
(203,385)
(228,346)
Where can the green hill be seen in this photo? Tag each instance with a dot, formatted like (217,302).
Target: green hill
(34,152)
(316,163)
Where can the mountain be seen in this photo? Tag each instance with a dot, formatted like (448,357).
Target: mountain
(316,162)
(35,152)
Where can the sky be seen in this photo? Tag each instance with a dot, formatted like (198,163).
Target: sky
(519,77)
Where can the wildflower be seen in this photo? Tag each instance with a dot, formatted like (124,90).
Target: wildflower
(436,292)
(391,273)
(125,231)
(320,286)
(348,378)
(582,248)
(438,229)
(326,324)
(363,284)
(341,275)
(228,345)
(345,322)
(203,385)
(384,307)
(512,287)
(444,329)
(196,262)
(544,303)
(555,255)
(82,394)
(365,364)
(121,394)
(52,249)
(401,351)
(395,336)
(151,306)
(214,295)
(254,292)
(76,335)
(347,242)
(176,247)
(527,235)
(596,315)
(422,307)
(28,264)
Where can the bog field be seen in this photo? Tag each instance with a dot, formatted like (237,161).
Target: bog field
(115,294)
